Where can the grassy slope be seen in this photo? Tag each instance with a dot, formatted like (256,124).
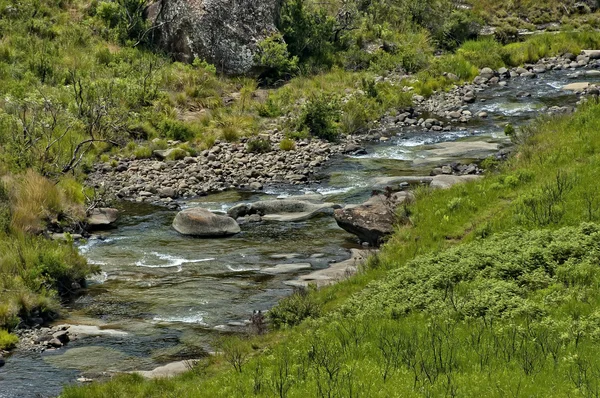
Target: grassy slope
(459,306)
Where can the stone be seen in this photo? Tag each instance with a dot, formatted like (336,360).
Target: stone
(487,73)
(55,343)
(286,268)
(223,32)
(62,336)
(200,222)
(102,217)
(592,73)
(163,153)
(448,181)
(576,87)
(284,210)
(167,192)
(591,54)
(521,71)
(256,186)
(372,223)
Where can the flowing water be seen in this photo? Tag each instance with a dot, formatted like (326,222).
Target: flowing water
(168,295)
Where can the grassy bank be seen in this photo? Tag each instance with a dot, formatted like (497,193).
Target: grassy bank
(491,290)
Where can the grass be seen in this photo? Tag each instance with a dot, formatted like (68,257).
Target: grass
(7,340)
(492,288)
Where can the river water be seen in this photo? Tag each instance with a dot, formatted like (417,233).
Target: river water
(168,296)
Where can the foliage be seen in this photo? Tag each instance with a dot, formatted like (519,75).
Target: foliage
(294,309)
(287,144)
(274,57)
(319,117)
(7,340)
(258,145)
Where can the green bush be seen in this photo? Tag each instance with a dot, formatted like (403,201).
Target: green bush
(258,145)
(7,340)
(294,309)
(457,28)
(142,152)
(176,130)
(319,117)
(274,58)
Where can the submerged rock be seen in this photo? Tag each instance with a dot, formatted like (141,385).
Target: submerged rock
(201,222)
(282,210)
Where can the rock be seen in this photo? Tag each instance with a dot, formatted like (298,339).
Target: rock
(482,115)
(503,72)
(592,73)
(487,73)
(239,210)
(2,361)
(283,210)
(256,186)
(102,217)
(591,54)
(62,336)
(521,71)
(286,268)
(334,273)
(163,153)
(447,181)
(576,87)
(373,220)
(167,193)
(225,33)
(55,343)
(200,222)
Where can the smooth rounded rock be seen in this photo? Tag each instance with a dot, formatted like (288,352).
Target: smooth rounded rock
(200,222)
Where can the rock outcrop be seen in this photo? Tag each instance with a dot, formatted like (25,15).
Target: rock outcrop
(200,222)
(223,32)
(373,220)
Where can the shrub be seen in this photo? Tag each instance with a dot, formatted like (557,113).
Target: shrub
(258,145)
(319,117)
(287,144)
(268,109)
(294,309)
(177,154)
(142,152)
(273,56)
(176,130)
(459,27)
(7,340)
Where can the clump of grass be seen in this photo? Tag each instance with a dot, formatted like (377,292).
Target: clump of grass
(142,152)
(287,144)
(258,145)
(482,53)
(177,154)
(7,340)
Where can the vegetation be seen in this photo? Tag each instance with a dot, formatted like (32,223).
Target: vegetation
(492,288)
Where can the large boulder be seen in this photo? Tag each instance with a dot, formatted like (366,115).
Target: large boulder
(283,209)
(200,222)
(373,220)
(102,217)
(223,32)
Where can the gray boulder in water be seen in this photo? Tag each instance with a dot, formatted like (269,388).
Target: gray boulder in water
(222,32)
(200,222)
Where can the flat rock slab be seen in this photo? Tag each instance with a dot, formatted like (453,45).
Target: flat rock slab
(284,210)
(168,370)
(463,148)
(390,181)
(591,54)
(286,268)
(335,272)
(576,87)
(447,181)
(90,330)
(295,217)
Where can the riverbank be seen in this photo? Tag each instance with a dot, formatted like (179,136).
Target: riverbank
(550,156)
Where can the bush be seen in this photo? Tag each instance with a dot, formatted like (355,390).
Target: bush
(176,130)
(319,117)
(459,27)
(258,145)
(7,340)
(294,309)
(287,144)
(142,152)
(273,56)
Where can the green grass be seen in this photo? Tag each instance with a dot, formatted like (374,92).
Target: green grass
(7,340)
